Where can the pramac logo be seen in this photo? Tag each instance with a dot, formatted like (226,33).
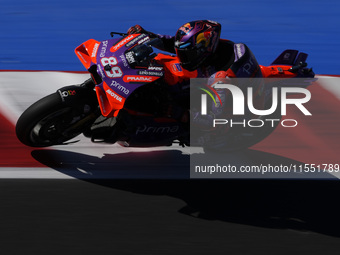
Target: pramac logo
(139,78)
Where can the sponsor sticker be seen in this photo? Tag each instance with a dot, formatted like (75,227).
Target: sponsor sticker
(122,43)
(139,78)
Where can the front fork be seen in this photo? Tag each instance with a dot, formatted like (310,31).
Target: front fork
(83,101)
(74,95)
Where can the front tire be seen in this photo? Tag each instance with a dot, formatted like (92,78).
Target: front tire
(51,122)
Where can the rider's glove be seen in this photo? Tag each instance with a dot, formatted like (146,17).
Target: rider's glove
(219,76)
(137,29)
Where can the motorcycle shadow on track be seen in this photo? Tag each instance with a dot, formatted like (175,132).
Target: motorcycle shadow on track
(306,205)
(131,165)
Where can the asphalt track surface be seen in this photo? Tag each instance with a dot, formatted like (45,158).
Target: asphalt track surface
(97,199)
(87,198)
(168,217)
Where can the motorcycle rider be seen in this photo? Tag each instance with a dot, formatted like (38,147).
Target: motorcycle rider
(202,54)
(199,47)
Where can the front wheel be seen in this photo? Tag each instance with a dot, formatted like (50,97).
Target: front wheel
(50,122)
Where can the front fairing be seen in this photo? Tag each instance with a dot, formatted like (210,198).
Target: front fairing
(111,64)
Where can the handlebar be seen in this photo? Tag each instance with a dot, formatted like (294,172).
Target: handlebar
(118,33)
(143,53)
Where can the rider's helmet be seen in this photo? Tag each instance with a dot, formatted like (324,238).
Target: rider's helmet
(196,41)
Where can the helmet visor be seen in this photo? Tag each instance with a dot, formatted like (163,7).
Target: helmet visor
(190,57)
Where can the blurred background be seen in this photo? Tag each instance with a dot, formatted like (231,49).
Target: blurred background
(42,35)
(171,216)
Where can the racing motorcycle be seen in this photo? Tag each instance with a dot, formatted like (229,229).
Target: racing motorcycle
(126,101)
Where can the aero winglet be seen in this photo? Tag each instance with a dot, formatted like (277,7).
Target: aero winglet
(286,58)
(301,58)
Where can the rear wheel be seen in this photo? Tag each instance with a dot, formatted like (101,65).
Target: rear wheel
(50,122)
